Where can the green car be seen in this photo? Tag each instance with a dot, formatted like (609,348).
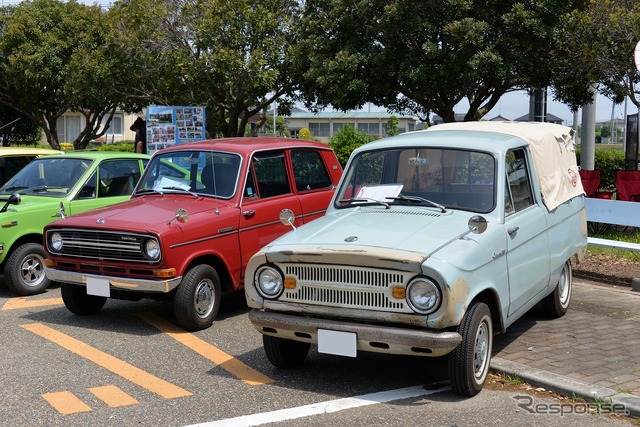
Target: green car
(51,187)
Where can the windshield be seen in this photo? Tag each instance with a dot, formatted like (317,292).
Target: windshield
(434,177)
(47,177)
(205,173)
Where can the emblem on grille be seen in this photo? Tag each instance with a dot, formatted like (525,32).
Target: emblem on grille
(100,221)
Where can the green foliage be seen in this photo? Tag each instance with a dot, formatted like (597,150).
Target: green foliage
(53,58)
(392,126)
(346,140)
(609,162)
(124,146)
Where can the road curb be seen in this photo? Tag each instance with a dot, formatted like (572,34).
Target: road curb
(566,386)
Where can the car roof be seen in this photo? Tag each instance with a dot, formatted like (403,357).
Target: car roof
(99,155)
(16,151)
(248,145)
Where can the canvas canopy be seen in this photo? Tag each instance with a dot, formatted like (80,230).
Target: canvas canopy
(553,151)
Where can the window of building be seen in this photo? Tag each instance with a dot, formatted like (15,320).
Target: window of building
(68,128)
(337,127)
(116,126)
(319,129)
(369,128)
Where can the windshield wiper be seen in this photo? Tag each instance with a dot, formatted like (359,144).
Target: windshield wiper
(417,199)
(16,187)
(183,190)
(380,202)
(45,188)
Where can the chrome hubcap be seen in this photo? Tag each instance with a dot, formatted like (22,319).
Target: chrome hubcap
(204,298)
(32,270)
(481,350)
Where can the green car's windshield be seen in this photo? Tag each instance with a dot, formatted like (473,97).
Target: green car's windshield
(47,177)
(432,177)
(207,173)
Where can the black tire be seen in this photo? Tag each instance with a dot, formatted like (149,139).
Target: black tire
(469,362)
(557,302)
(24,270)
(78,302)
(197,299)
(283,353)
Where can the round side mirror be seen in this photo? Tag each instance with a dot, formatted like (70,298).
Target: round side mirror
(287,217)
(14,199)
(477,224)
(182,215)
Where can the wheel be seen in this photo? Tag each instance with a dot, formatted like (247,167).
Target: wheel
(469,362)
(557,302)
(197,299)
(284,353)
(24,271)
(78,302)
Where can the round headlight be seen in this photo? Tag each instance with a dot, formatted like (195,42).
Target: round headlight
(56,242)
(152,249)
(423,295)
(269,282)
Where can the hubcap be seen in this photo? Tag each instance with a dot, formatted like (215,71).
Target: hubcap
(564,287)
(204,298)
(480,350)
(32,270)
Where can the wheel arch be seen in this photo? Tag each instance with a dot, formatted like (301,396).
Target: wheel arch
(27,238)
(226,281)
(491,299)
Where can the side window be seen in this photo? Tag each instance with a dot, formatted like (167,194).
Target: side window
(271,174)
(519,182)
(118,178)
(309,170)
(88,190)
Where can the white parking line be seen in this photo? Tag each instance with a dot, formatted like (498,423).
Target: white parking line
(323,407)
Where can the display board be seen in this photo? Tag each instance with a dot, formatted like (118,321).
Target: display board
(174,125)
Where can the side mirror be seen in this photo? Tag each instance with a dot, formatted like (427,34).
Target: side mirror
(477,224)
(287,217)
(14,199)
(181,216)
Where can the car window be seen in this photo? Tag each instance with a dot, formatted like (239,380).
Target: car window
(11,165)
(309,170)
(48,176)
(519,182)
(271,174)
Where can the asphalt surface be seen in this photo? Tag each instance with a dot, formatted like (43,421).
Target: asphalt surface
(593,351)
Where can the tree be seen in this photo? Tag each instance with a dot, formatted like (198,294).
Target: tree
(52,60)
(424,56)
(392,126)
(305,133)
(16,129)
(346,140)
(594,46)
(231,57)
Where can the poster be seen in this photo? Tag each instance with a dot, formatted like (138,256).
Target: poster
(172,125)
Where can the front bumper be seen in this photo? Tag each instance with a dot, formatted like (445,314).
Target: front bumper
(372,338)
(120,283)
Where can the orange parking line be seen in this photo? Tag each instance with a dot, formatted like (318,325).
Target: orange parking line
(66,402)
(113,396)
(108,362)
(21,302)
(208,351)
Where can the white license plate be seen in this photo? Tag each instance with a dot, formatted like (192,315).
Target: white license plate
(98,286)
(334,342)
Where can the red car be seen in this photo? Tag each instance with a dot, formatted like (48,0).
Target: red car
(197,215)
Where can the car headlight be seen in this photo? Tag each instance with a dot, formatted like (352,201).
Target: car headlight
(269,282)
(55,242)
(151,249)
(423,295)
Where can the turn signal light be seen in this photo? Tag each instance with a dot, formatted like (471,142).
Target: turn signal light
(166,273)
(290,282)
(399,292)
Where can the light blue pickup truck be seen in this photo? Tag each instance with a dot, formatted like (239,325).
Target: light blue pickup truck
(434,241)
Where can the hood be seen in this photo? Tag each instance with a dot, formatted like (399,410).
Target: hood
(398,228)
(29,204)
(143,213)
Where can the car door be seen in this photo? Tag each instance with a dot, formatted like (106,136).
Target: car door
(312,181)
(526,234)
(267,192)
(111,182)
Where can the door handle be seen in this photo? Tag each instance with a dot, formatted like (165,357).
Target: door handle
(512,230)
(249,214)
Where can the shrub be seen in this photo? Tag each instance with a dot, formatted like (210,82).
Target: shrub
(346,140)
(609,162)
(305,133)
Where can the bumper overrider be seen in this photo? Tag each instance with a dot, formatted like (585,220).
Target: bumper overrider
(372,338)
(120,283)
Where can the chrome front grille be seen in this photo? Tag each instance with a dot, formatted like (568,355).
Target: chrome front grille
(102,245)
(344,286)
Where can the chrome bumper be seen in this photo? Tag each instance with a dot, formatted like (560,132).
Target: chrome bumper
(373,338)
(121,283)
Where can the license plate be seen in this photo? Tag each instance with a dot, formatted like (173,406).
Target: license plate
(334,342)
(98,286)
